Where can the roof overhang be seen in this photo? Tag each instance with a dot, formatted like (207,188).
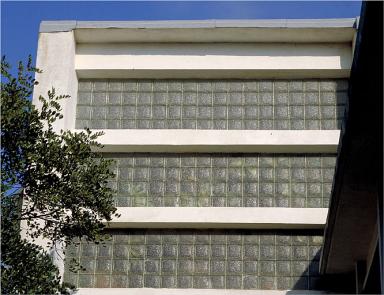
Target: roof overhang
(352,219)
(201,31)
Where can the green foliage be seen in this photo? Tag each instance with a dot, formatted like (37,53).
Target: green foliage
(56,176)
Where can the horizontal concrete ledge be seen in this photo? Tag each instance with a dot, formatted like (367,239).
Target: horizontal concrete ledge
(220,217)
(211,74)
(150,291)
(188,140)
(267,30)
(49,26)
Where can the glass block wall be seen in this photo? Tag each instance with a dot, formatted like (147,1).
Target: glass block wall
(211,104)
(223,180)
(215,259)
(220,259)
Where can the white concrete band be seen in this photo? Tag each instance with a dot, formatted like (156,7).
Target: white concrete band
(220,217)
(179,140)
(165,291)
(213,58)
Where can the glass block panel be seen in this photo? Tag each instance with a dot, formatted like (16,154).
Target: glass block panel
(227,259)
(212,104)
(250,180)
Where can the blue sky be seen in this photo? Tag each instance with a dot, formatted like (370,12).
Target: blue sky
(20,20)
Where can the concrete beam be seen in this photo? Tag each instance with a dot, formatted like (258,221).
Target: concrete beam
(220,217)
(165,291)
(261,60)
(178,140)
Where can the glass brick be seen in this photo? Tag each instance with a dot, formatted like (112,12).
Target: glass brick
(295,86)
(251,112)
(220,124)
(251,98)
(283,268)
(174,112)
(189,112)
(189,86)
(281,99)
(267,162)
(204,112)
(220,86)
(135,281)
(175,86)
(128,112)
(130,86)
(159,86)
(298,175)
(103,266)
(311,85)
(251,125)
(159,98)
(86,281)
(328,98)
(100,86)
(234,266)
(281,112)
(233,282)
(205,99)
(83,112)
(220,98)
(119,281)
(251,251)
(267,283)
(328,85)
(266,112)
(235,112)
(314,202)
(299,268)
(328,175)
(281,86)
(153,251)
(185,266)
(159,112)
(311,98)
(250,266)
(204,124)
(312,112)
(190,98)
(267,268)
(186,251)
(284,252)
(152,281)
(143,112)
(298,202)
(84,98)
(250,86)
(235,98)
(174,98)
(120,266)
(297,124)
(168,281)
(328,125)
(298,161)
(235,124)
(188,124)
(174,124)
(114,113)
(152,266)
(265,86)
(145,86)
(296,98)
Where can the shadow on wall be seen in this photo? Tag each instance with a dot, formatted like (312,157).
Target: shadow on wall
(312,280)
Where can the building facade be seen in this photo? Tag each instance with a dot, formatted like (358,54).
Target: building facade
(224,135)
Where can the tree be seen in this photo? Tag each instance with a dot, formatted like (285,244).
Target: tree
(53,181)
